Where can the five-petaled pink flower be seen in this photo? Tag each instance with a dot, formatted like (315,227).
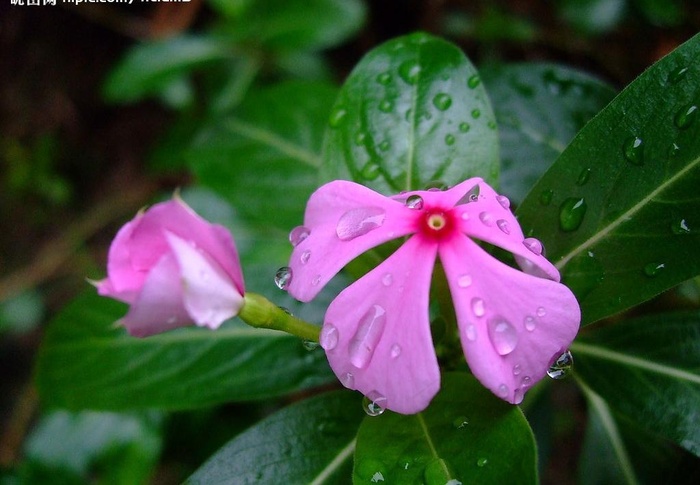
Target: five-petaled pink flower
(376,333)
(174,269)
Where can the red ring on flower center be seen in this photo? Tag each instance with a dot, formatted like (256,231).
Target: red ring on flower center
(436,223)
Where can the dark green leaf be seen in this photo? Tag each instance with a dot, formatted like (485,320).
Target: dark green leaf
(265,158)
(412,113)
(539,108)
(647,370)
(310,442)
(466,435)
(85,362)
(619,211)
(147,68)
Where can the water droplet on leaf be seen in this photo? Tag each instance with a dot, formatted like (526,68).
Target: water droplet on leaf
(633,150)
(298,234)
(571,213)
(384,146)
(337,117)
(546,196)
(482,462)
(370,171)
(460,422)
(680,227)
(386,106)
(503,335)
(653,269)
(384,78)
(686,116)
(410,71)
(562,366)
(328,337)
(283,277)
(442,101)
(677,74)
(358,222)
(473,81)
(583,177)
(464,127)
(449,139)
(476,113)
(369,331)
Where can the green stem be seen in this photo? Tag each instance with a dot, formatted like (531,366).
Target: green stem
(260,312)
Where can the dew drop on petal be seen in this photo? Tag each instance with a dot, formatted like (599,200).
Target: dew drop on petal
(530,323)
(517,370)
(387,279)
(503,226)
(348,380)
(470,332)
(283,277)
(534,245)
(464,281)
(527,381)
(562,366)
(503,335)
(298,234)
(504,201)
(478,307)
(305,256)
(369,331)
(374,403)
(486,219)
(503,390)
(328,337)
(358,222)
(316,280)
(414,202)
(395,351)
(541,312)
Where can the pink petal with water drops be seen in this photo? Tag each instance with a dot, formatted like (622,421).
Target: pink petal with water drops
(158,307)
(209,295)
(377,334)
(490,219)
(343,220)
(512,324)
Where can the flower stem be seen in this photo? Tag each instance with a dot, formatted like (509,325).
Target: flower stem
(260,312)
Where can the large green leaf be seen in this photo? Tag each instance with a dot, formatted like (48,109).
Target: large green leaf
(619,211)
(85,362)
(465,436)
(310,442)
(413,112)
(264,159)
(648,370)
(539,108)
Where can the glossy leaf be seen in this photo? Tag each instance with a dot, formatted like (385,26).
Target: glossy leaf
(264,159)
(648,371)
(85,362)
(412,113)
(309,442)
(539,108)
(619,211)
(466,435)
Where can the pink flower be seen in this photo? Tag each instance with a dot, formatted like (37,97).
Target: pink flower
(376,333)
(174,269)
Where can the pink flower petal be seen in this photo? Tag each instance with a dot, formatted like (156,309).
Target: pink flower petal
(158,307)
(209,295)
(344,219)
(512,325)
(377,334)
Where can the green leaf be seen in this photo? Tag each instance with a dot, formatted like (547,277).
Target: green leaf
(153,66)
(85,362)
(309,442)
(619,211)
(413,112)
(647,370)
(539,108)
(264,159)
(466,435)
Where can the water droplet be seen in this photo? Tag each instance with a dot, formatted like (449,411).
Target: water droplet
(478,307)
(464,127)
(473,81)
(583,177)
(348,380)
(370,171)
(309,344)
(677,74)
(541,312)
(298,234)
(517,370)
(470,332)
(503,390)
(527,382)
(633,150)
(472,195)
(358,222)
(504,201)
(518,396)
(410,71)
(305,256)
(503,335)
(384,78)
(530,323)
(571,213)
(369,331)
(449,139)
(328,337)
(476,113)
(377,477)
(283,277)
(395,351)
(680,227)
(562,366)
(387,279)
(673,150)
(482,462)
(442,101)
(534,245)
(374,404)
(172,320)
(486,219)
(460,422)
(386,106)
(414,202)
(360,138)
(546,196)
(653,269)
(384,146)
(464,281)
(492,124)
(503,226)
(686,116)
(316,280)
(337,116)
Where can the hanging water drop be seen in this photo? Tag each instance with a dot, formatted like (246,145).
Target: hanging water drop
(478,307)
(534,245)
(374,403)
(503,335)
(503,226)
(298,234)
(410,71)
(571,213)
(633,150)
(305,256)
(414,202)
(464,281)
(369,331)
(328,337)
(562,366)
(686,116)
(358,222)
(504,201)
(283,277)
(442,101)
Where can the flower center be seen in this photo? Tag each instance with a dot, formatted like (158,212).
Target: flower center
(436,221)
